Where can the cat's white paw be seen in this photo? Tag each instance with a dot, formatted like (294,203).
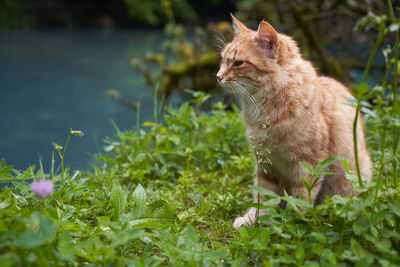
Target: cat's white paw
(248,219)
(242,221)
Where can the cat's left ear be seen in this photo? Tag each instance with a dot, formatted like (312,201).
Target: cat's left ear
(238,26)
(267,37)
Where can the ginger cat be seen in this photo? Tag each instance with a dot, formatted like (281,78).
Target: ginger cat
(291,112)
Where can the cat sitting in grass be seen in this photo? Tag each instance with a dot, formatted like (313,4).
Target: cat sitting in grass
(291,112)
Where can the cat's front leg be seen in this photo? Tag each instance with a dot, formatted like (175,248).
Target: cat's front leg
(250,217)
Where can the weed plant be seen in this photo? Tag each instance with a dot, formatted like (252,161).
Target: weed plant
(167,194)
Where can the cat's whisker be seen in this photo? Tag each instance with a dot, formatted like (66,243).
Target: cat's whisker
(220,41)
(248,85)
(243,86)
(219,47)
(221,37)
(219,44)
(248,94)
(249,97)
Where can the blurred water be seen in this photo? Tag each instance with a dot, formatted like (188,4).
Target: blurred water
(54,80)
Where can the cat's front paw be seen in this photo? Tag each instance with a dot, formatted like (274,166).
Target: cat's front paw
(242,221)
(248,219)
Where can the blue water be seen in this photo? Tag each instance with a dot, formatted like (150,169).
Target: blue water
(54,80)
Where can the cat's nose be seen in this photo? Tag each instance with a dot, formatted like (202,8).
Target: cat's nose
(219,78)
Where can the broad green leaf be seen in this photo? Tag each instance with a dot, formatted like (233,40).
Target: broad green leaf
(190,238)
(267,219)
(320,237)
(299,253)
(64,241)
(360,226)
(51,212)
(9,259)
(68,212)
(103,222)
(103,219)
(360,252)
(306,167)
(158,214)
(139,197)
(263,191)
(175,138)
(30,239)
(4,169)
(4,204)
(265,235)
(122,237)
(166,237)
(71,226)
(380,215)
(47,229)
(362,262)
(243,231)
(373,231)
(327,256)
(152,222)
(214,255)
(237,241)
(394,205)
(297,202)
(118,201)
(325,163)
(271,202)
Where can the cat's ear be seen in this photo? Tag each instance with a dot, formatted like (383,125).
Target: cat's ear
(238,26)
(267,37)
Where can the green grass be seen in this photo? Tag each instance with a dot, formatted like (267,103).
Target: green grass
(167,194)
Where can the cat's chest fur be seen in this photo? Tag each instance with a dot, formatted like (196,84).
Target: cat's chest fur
(275,148)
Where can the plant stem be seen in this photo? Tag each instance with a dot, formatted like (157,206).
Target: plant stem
(155,102)
(52,166)
(258,208)
(63,154)
(258,200)
(138,116)
(382,159)
(355,142)
(394,108)
(381,35)
(309,190)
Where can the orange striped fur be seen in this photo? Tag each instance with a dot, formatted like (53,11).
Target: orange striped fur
(292,114)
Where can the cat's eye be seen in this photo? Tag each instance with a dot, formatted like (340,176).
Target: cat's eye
(238,63)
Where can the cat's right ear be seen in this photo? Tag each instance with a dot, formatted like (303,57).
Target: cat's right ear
(267,37)
(238,26)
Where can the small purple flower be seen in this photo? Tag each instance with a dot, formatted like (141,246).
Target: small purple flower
(42,188)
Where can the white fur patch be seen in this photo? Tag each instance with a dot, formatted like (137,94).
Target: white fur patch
(248,219)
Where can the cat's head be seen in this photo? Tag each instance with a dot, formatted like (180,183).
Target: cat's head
(253,59)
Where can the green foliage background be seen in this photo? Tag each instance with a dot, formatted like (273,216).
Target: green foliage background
(167,195)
